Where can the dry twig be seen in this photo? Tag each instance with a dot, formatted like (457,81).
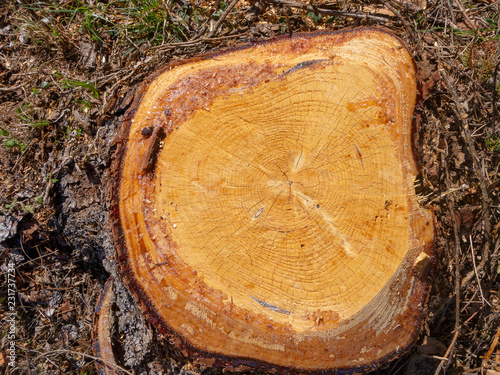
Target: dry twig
(493,346)
(403,20)
(64,351)
(467,20)
(327,11)
(475,271)
(447,355)
(494,124)
(222,18)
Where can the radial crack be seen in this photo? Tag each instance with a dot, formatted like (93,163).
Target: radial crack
(313,206)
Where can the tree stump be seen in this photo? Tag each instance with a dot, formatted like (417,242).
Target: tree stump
(264,207)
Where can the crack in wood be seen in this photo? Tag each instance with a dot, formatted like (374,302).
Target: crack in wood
(302,65)
(360,157)
(153,147)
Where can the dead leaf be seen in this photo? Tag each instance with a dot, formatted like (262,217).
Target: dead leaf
(89,58)
(429,84)
(8,227)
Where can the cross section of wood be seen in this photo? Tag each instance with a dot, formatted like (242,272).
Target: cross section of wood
(265,206)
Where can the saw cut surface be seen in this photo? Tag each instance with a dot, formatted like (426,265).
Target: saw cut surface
(279,208)
(265,201)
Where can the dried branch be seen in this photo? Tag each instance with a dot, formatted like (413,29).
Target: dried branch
(494,124)
(222,18)
(493,346)
(403,20)
(447,355)
(328,11)
(65,351)
(467,19)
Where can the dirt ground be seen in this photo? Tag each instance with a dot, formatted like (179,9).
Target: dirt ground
(68,72)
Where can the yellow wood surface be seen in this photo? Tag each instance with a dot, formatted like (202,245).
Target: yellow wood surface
(282,203)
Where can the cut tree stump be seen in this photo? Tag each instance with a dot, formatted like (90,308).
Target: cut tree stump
(264,203)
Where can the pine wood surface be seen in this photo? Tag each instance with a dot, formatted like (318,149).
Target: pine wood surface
(268,211)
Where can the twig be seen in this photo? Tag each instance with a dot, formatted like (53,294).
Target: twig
(328,11)
(475,271)
(222,37)
(29,10)
(24,74)
(222,18)
(451,206)
(493,345)
(315,8)
(37,258)
(46,358)
(22,156)
(451,12)
(195,41)
(288,25)
(467,20)
(7,89)
(107,77)
(471,47)
(131,41)
(62,351)
(452,190)
(402,19)
(447,355)
(471,317)
(486,7)
(494,124)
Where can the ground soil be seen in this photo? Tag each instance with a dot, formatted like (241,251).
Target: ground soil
(68,73)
